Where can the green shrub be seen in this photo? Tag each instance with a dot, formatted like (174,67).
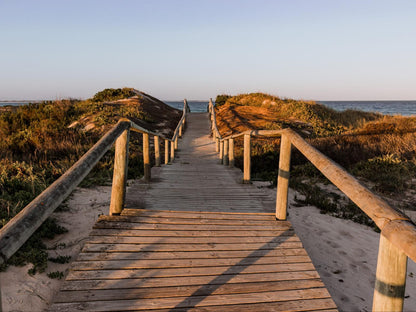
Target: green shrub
(389,173)
(221,99)
(113,94)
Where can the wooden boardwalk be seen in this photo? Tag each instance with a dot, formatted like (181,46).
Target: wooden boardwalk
(194,239)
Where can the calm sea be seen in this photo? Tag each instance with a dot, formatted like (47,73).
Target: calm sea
(195,106)
(405,108)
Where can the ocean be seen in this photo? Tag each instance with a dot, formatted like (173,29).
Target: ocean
(405,108)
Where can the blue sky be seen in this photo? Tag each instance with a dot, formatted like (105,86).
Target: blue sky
(196,49)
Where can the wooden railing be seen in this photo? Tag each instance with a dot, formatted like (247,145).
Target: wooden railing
(16,232)
(398,232)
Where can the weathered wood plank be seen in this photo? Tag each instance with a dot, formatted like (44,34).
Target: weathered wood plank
(196,301)
(287,254)
(149,281)
(188,247)
(182,291)
(268,264)
(133,237)
(82,272)
(201,214)
(311,305)
(185,233)
(115,224)
(195,221)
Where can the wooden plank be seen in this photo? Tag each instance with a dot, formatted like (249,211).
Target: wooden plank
(268,264)
(109,236)
(185,233)
(156,255)
(200,214)
(82,272)
(188,247)
(149,281)
(196,301)
(115,224)
(311,305)
(161,292)
(162,220)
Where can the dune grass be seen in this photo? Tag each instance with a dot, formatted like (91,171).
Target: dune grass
(39,142)
(379,149)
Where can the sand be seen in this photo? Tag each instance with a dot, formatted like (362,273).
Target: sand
(23,292)
(344,253)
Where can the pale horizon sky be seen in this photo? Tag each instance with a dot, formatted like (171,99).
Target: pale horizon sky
(196,49)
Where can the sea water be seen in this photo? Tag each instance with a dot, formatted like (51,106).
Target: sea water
(406,108)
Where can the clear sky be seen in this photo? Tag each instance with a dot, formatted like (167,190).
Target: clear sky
(196,49)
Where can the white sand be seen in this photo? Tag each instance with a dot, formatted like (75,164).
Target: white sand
(22,292)
(344,253)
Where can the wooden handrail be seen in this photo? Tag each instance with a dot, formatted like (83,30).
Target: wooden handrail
(398,232)
(18,230)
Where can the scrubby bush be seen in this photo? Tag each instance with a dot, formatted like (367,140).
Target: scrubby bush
(221,99)
(37,146)
(113,94)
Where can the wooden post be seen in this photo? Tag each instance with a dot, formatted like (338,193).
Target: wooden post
(214,134)
(172,151)
(180,130)
(166,152)
(390,277)
(1,309)
(283,178)
(176,142)
(146,157)
(221,151)
(231,152)
(118,190)
(217,144)
(157,151)
(225,161)
(247,158)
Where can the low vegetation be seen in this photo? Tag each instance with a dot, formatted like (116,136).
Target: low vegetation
(379,149)
(39,142)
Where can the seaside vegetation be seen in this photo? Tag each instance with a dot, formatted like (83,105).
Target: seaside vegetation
(378,149)
(39,142)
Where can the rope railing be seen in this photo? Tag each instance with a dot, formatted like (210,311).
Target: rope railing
(18,230)
(398,232)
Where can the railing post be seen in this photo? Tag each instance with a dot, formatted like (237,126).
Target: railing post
(166,152)
(225,161)
(176,142)
(217,144)
(231,152)
(172,151)
(221,151)
(247,158)
(157,151)
(283,178)
(118,190)
(390,277)
(180,129)
(146,157)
